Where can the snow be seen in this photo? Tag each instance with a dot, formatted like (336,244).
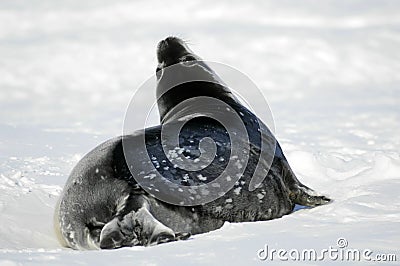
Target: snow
(328,69)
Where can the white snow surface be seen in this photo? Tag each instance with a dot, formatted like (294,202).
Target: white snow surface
(328,69)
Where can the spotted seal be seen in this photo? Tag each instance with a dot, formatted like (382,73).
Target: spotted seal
(103,205)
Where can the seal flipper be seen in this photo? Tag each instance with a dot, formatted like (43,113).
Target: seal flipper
(302,197)
(119,233)
(299,193)
(182,236)
(153,231)
(137,228)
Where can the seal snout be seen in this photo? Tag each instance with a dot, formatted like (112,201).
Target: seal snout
(171,51)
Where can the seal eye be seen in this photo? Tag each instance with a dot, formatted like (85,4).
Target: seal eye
(188,58)
(159,72)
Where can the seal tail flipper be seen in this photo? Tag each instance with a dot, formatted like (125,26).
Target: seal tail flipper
(300,193)
(301,197)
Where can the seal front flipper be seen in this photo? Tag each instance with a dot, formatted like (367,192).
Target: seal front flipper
(119,233)
(178,236)
(182,236)
(137,228)
(153,232)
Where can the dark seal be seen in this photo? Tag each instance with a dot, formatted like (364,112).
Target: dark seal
(110,199)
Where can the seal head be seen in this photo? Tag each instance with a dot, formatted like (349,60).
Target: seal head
(182,75)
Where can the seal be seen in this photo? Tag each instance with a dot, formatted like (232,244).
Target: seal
(110,201)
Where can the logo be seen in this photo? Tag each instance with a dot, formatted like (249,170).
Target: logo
(204,144)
